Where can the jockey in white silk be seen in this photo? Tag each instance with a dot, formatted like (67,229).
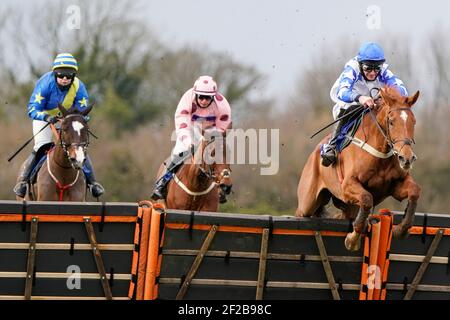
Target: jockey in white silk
(353,88)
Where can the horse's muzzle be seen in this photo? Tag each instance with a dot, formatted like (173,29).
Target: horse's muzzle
(226,188)
(406,162)
(77,156)
(77,165)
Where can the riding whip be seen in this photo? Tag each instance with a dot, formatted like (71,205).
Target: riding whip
(26,143)
(338,119)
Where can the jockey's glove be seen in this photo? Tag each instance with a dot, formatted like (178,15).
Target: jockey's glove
(50,119)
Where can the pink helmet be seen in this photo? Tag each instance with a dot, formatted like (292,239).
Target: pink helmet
(206,86)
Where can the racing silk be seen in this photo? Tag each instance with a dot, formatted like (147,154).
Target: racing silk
(46,96)
(216,115)
(351,83)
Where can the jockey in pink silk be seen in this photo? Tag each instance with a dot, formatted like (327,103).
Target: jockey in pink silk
(201,107)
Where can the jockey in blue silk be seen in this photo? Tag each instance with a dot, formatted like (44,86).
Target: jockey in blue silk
(59,86)
(364,72)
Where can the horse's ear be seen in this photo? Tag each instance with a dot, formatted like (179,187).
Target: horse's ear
(62,110)
(87,110)
(411,100)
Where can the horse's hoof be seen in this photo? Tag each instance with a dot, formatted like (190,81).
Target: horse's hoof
(400,233)
(352,244)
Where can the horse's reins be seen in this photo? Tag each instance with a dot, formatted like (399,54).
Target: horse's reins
(387,136)
(59,135)
(225,173)
(363,145)
(406,141)
(209,175)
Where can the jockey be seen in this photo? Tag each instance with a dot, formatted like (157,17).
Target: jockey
(204,105)
(59,86)
(361,74)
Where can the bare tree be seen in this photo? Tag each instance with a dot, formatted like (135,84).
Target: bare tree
(439,53)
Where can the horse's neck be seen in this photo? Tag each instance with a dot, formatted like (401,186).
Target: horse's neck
(372,132)
(60,165)
(194,179)
(59,156)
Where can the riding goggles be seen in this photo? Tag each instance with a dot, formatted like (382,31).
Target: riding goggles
(62,75)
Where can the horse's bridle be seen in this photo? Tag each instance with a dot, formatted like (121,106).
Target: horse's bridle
(225,173)
(386,134)
(210,175)
(64,145)
(406,141)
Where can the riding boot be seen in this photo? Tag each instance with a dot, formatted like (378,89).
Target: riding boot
(24,175)
(160,191)
(328,150)
(96,188)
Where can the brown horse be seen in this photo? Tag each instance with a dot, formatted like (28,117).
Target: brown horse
(200,184)
(362,179)
(61,177)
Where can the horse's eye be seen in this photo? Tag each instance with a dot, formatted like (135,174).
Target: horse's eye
(391,123)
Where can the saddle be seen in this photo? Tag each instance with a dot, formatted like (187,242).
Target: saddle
(348,130)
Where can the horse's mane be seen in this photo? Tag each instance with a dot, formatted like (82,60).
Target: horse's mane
(393,94)
(73,111)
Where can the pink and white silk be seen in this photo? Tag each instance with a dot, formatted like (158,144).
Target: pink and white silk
(189,114)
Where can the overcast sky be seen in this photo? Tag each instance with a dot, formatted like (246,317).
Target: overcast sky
(281,37)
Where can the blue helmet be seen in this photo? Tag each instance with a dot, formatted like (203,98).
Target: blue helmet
(370,51)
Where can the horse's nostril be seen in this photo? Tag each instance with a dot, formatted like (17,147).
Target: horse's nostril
(226,188)
(414,158)
(401,158)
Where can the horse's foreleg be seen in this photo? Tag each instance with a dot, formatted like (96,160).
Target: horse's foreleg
(354,193)
(308,189)
(411,190)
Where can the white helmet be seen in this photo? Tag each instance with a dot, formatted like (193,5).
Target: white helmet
(205,86)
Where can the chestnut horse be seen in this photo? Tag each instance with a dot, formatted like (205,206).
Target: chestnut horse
(362,179)
(61,177)
(203,182)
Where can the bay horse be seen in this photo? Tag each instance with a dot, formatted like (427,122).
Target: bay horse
(61,177)
(361,179)
(200,184)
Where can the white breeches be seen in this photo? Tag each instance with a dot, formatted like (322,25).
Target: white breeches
(44,137)
(341,106)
